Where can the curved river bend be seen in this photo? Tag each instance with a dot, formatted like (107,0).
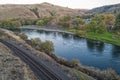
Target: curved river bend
(89,52)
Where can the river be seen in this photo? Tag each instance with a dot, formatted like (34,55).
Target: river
(88,52)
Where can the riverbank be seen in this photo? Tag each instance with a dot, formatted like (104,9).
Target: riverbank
(71,73)
(108,37)
(88,70)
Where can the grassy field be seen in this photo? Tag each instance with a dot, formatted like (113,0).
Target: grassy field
(108,37)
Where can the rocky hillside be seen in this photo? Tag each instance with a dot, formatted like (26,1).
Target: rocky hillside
(105,9)
(24,11)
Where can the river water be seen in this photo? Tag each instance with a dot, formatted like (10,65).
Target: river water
(88,52)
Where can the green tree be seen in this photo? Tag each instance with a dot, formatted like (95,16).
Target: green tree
(98,18)
(92,26)
(97,24)
(117,23)
(40,22)
(65,21)
(44,21)
(23,36)
(6,24)
(16,24)
(109,19)
(36,43)
(78,21)
(47,20)
(28,21)
(47,46)
(101,27)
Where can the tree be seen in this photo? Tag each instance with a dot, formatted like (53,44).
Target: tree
(47,46)
(98,18)
(36,43)
(101,27)
(92,26)
(65,21)
(23,36)
(40,22)
(44,21)
(97,24)
(117,23)
(78,21)
(109,19)
(6,24)
(16,24)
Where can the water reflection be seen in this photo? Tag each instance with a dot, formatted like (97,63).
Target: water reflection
(89,52)
(40,31)
(47,33)
(115,51)
(77,38)
(100,47)
(66,36)
(95,45)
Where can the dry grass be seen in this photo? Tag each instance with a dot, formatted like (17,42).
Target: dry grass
(23,11)
(12,68)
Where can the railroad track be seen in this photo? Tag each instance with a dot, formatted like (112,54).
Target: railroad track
(40,70)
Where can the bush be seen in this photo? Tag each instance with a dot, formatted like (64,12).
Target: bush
(28,21)
(75,62)
(40,22)
(65,21)
(91,27)
(36,42)
(23,36)
(16,24)
(10,23)
(77,21)
(117,23)
(47,46)
(97,24)
(44,21)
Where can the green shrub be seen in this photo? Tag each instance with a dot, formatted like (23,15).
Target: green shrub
(36,43)
(47,46)
(10,23)
(77,21)
(65,21)
(75,62)
(97,24)
(117,23)
(28,21)
(23,36)
(44,21)
(16,24)
(40,22)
